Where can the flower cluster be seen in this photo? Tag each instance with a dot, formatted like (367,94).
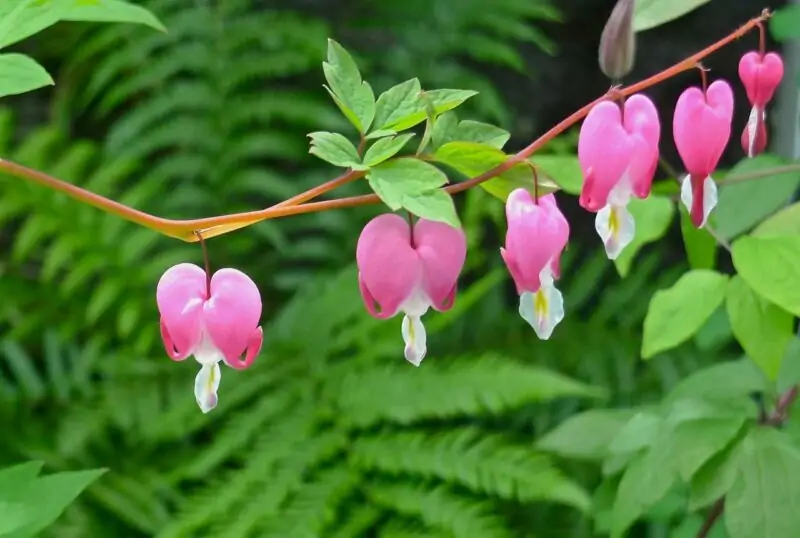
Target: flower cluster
(412,266)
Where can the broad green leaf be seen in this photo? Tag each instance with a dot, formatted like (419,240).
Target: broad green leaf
(789,375)
(701,247)
(675,314)
(771,266)
(396,104)
(13,477)
(763,500)
(714,478)
(784,222)
(653,216)
(49,496)
(447,128)
(433,205)
(353,96)
(743,205)
(565,170)
(32,16)
(374,135)
(14,516)
(694,442)
(762,329)
(110,11)
(416,111)
(603,503)
(335,149)
(385,148)
(444,129)
(715,333)
(727,380)
(652,13)
(691,526)
(473,159)
(785,23)
(586,435)
(20,74)
(636,434)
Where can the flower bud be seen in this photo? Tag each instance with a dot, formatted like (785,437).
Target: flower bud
(618,43)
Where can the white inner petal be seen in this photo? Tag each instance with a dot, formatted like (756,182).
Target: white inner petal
(752,129)
(616,228)
(415,338)
(206,352)
(206,385)
(709,196)
(543,309)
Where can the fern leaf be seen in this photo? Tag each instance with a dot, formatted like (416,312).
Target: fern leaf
(441,508)
(469,457)
(489,384)
(405,528)
(360,518)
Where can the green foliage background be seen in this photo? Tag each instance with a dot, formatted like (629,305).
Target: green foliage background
(331,434)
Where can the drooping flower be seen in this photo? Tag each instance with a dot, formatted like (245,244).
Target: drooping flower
(702,129)
(618,153)
(761,75)
(214,321)
(409,270)
(537,234)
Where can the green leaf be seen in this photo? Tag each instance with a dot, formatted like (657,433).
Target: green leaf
(652,13)
(49,496)
(653,216)
(675,314)
(353,96)
(784,222)
(20,74)
(700,245)
(785,23)
(435,205)
(691,526)
(771,266)
(762,329)
(110,11)
(763,500)
(444,129)
(335,149)
(374,135)
(12,478)
(396,104)
(645,482)
(789,375)
(586,435)
(565,170)
(693,443)
(474,131)
(727,380)
(743,205)
(473,159)
(385,148)
(714,478)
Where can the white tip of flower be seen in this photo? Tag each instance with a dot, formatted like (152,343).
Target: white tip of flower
(616,228)
(415,338)
(752,129)
(206,385)
(709,196)
(542,310)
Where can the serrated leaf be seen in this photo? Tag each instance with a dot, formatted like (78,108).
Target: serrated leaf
(385,148)
(334,148)
(762,329)
(765,494)
(586,435)
(473,159)
(21,74)
(353,96)
(471,131)
(652,13)
(653,215)
(565,171)
(771,266)
(700,245)
(434,205)
(411,112)
(744,204)
(677,313)
(395,180)
(396,104)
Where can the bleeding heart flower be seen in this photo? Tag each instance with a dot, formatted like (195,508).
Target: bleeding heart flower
(408,270)
(618,153)
(214,320)
(761,75)
(702,128)
(537,234)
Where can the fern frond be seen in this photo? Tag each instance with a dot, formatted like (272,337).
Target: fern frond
(442,508)
(481,461)
(405,528)
(357,521)
(443,389)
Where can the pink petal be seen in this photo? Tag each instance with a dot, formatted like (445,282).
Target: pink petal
(180,295)
(642,123)
(442,252)
(388,266)
(232,315)
(702,126)
(537,233)
(604,150)
(760,76)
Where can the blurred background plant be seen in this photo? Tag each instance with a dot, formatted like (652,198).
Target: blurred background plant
(331,434)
